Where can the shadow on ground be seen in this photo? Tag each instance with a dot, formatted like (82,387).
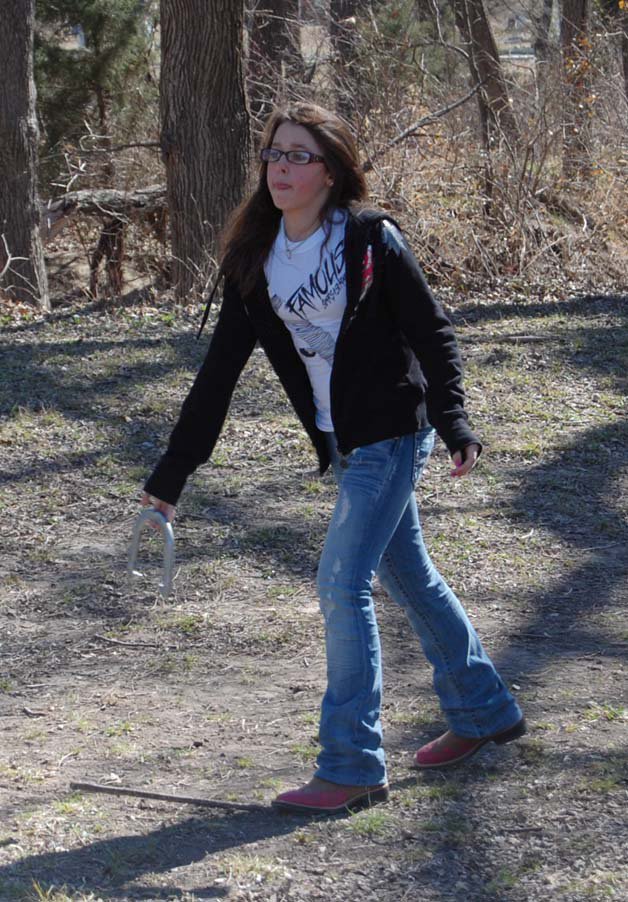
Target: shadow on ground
(112,867)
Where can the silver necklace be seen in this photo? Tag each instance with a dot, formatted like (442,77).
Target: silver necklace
(295,244)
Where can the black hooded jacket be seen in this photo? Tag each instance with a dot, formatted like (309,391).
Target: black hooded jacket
(396,366)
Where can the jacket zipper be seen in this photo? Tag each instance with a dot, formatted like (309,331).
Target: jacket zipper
(349,316)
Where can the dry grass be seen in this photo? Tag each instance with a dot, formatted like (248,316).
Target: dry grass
(216,691)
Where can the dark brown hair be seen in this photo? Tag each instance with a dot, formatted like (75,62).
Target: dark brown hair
(252,227)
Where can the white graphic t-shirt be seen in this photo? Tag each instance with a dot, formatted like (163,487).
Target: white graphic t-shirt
(307,289)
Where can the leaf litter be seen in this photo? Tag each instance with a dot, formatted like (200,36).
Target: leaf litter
(215,691)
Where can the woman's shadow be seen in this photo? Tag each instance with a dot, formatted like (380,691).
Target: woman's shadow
(111,868)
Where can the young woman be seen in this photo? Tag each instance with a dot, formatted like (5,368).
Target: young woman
(368,359)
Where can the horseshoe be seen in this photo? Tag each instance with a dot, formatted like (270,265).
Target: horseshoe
(156,517)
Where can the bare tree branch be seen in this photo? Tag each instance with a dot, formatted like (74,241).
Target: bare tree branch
(7,253)
(426,120)
(118,147)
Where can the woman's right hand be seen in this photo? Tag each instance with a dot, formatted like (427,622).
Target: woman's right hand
(168,510)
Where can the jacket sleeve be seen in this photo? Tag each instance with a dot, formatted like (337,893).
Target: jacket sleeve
(205,408)
(430,335)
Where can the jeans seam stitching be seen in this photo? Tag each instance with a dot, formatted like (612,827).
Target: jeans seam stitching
(400,585)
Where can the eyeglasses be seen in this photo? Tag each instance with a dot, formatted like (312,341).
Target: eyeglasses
(298,157)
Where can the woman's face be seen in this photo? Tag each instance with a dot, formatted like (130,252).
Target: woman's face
(296,188)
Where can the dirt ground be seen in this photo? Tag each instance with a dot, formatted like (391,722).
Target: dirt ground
(214,692)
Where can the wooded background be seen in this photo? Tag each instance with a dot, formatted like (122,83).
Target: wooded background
(494,130)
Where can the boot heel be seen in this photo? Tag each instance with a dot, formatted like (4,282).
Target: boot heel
(515,732)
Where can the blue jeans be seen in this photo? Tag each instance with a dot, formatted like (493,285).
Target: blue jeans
(375,529)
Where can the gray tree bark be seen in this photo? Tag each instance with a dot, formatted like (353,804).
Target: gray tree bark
(343,33)
(544,53)
(542,24)
(22,270)
(576,48)
(204,128)
(274,54)
(495,109)
(624,49)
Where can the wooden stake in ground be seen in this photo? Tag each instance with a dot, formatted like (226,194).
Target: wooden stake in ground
(167,797)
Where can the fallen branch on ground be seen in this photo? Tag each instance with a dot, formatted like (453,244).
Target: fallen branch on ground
(117,209)
(103,202)
(126,644)
(167,797)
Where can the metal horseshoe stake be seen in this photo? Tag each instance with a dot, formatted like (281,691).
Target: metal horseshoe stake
(153,516)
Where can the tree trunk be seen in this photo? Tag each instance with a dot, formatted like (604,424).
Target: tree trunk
(542,24)
(624,51)
(543,48)
(274,53)
(204,128)
(343,33)
(576,48)
(22,267)
(495,109)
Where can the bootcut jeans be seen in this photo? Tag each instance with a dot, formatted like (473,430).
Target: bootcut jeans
(375,529)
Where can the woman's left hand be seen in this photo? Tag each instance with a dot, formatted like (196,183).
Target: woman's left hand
(465,460)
